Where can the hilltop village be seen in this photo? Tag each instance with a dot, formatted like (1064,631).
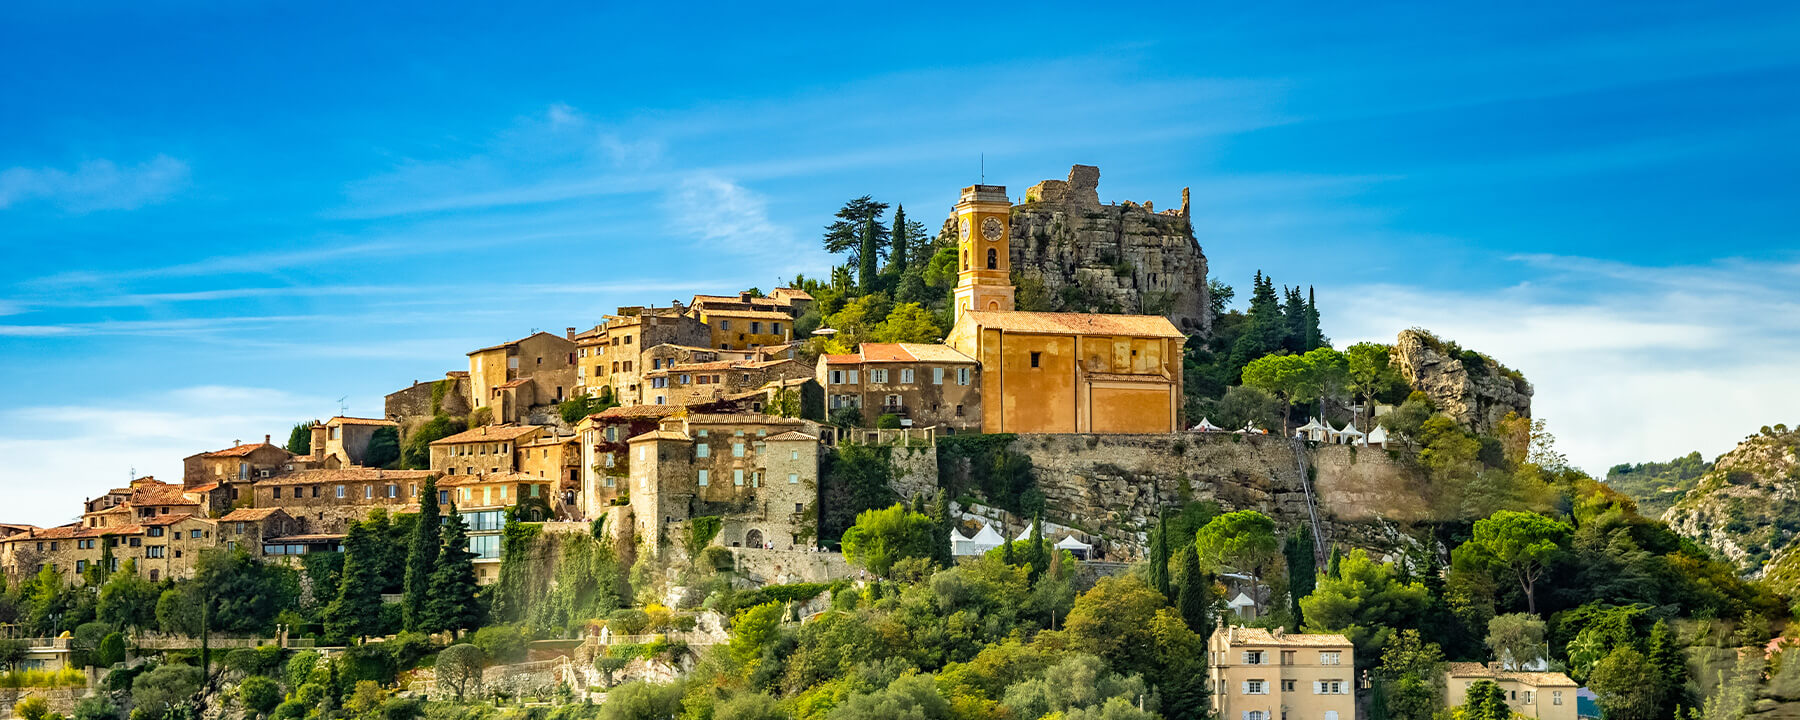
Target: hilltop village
(1028,467)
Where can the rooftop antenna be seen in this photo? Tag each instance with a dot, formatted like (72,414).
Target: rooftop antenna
(984,168)
(342,408)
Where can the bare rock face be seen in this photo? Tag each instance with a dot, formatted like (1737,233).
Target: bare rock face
(1471,388)
(1748,507)
(1074,254)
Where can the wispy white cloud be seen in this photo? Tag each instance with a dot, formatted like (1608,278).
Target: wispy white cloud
(95,184)
(1630,363)
(725,215)
(62,454)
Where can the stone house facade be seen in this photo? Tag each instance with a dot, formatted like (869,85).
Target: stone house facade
(240,463)
(745,329)
(482,500)
(1538,695)
(325,500)
(702,382)
(485,449)
(162,547)
(247,528)
(614,351)
(929,385)
(511,378)
(604,456)
(757,473)
(1257,674)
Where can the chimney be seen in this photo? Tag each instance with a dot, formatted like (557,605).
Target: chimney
(744,297)
(236,443)
(266,439)
(569,333)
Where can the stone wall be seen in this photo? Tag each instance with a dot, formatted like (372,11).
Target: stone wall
(915,471)
(780,567)
(61,700)
(1118,258)
(1112,486)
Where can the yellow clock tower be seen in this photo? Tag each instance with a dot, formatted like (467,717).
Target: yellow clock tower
(983,220)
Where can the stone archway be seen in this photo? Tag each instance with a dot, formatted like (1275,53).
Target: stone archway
(753,539)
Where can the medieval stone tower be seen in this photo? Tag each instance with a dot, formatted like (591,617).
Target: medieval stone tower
(983,219)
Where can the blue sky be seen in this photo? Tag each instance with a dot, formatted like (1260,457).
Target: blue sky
(220,218)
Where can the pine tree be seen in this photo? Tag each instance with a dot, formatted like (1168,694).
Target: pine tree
(1159,557)
(1266,330)
(897,258)
(1195,598)
(300,439)
(356,612)
(868,256)
(421,557)
(452,606)
(1332,566)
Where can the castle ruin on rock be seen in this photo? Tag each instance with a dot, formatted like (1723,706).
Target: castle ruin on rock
(1073,253)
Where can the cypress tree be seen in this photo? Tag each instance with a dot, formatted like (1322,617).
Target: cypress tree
(1302,573)
(1293,315)
(1159,557)
(452,605)
(1035,554)
(1195,597)
(356,612)
(1266,330)
(421,557)
(945,555)
(300,439)
(1671,668)
(1337,560)
(866,258)
(897,258)
(1313,339)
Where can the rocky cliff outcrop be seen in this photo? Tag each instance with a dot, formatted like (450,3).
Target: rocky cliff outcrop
(1471,388)
(1748,506)
(1074,254)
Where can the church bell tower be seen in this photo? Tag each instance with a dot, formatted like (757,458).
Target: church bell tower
(983,234)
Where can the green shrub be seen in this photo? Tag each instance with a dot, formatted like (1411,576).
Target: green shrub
(502,643)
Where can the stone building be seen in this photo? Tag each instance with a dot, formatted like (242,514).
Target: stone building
(612,354)
(147,498)
(745,329)
(248,528)
(482,501)
(162,546)
(925,385)
(511,378)
(1257,674)
(241,463)
(447,396)
(484,449)
(556,459)
(605,460)
(340,442)
(757,473)
(1055,372)
(1538,695)
(703,382)
(324,500)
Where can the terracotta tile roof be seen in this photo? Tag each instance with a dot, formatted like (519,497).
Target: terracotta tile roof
(901,352)
(751,314)
(350,474)
(843,359)
(791,435)
(1047,323)
(59,532)
(160,494)
(661,435)
(1480,670)
(502,478)
(250,514)
(1259,636)
(209,487)
(490,433)
(637,412)
(341,420)
(169,519)
(550,440)
(740,419)
(505,345)
(242,450)
(1155,377)
(316,537)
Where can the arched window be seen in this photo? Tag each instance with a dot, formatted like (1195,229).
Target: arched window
(965,259)
(993,259)
(754,539)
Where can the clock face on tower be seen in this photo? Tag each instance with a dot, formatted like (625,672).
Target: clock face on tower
(992,229)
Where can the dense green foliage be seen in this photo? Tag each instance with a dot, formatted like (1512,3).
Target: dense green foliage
(300,439)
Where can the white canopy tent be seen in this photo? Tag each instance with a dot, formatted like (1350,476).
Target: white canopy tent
(960,545)
(1243,606)
(1378,436)
(1350,435)
(1080,549)
(1314,430)
(1206,426)
(983,541)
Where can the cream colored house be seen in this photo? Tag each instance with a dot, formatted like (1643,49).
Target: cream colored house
(1544,695)
(1258,674)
